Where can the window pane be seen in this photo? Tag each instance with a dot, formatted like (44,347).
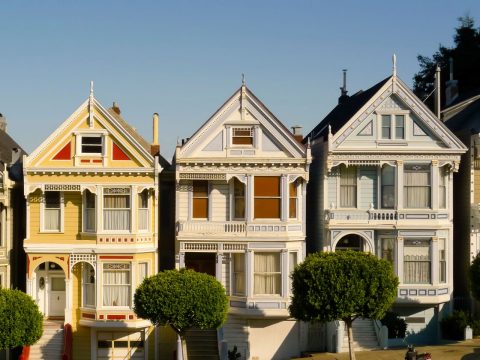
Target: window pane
(442,256)
(399,126)
(292,205)
(200,188)
(417,186)
(239,274)
(348,187)
(242,136)
(267,197)
(200,208)
(442,189)
(267,275)
(417,259)
(386,127)
(387,246)
(52,200)
(57,284)
(267,208)
(239,199)
(91,144)
(388,187)
(267,185)
(116,285)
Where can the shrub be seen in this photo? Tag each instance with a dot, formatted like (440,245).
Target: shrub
(454,325)
(396,326)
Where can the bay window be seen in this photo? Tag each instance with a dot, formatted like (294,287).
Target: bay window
(116,209)
(200,199)
(416,190)
(267,273)
(417,262)
(52,216)
(116,284)
(267,197)
(348,186)
(143,211)
(387,249)
(89,211)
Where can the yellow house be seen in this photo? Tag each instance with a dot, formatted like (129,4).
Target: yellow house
(92,193)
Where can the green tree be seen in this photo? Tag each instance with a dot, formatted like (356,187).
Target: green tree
(342,285)
(21,322)
(465,55)
(475,277)
(182,299)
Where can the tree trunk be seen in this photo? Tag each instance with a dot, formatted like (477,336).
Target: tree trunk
(348,323)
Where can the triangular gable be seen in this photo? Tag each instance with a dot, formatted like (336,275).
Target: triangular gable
(65,153)
(242,109)
(397,97)
(118,153)
(103,121)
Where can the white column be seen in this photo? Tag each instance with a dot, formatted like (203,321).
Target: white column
(68,300)
(435,260)
(134,208)
(181,258)
(399,182)
(284,271)
(249,199)
(98,285)
(284,196)
(218,268)
(249,272)
(30,287)
(99,199)
(399,252)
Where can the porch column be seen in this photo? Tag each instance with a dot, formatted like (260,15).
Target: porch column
(399,252)
(435,261)
(434,174)
(284,197)
(284,271)
(249,272)
(181,260)
(218,267)
(68,300)
(249,199)
(399,179)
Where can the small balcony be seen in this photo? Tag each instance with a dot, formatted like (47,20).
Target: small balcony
(237,228)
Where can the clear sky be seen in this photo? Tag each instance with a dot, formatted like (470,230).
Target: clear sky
(183,59)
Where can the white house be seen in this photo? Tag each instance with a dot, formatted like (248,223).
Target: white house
(381,181)
(240,216)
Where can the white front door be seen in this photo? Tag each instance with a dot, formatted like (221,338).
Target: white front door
(56,296)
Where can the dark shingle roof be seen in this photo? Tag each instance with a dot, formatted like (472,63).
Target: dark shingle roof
(128,128)
(343,112)
(6,146)
(464,116)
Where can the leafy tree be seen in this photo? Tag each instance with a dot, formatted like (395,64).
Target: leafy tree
(182,299)
(21,322)
(342,285)
(475,277)
(465,55)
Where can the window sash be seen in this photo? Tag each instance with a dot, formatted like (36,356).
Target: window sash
(52,218)
(417,262)
(442,188)
(267,197)
(238,274)
(92,144)
(417,192)
(88,285)
(442,258)
(292,203)
(348,187)
(89,212)
(116,212)
(388,187)
(267,274)
(386,127)
(238,199)
(200,199)
(242,136)
(116,285)
(399,127)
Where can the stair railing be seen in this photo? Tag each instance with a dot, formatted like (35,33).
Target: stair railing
(67,342)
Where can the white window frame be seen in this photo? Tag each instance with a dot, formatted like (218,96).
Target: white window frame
(124,231)
(147,229)
(393,125)
(84,212)
(62,214)
(381,185)
(431,257)
(276,273)
(130,286)
(96,133)
(444,261)
(209,201)
(443,174)
(242,128)
(233,291)
(84,285)
(233,200)
(148,273)
(339,186)
(430,185)
(381,240)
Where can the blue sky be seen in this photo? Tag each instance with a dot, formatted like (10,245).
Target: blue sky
(183,59)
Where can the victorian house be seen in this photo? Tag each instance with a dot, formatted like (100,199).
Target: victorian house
(240,216)
(12,211)
(92,191)
(381,181)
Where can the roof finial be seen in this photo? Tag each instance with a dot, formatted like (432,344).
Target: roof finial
(91,87)
(394,68)
(243,79)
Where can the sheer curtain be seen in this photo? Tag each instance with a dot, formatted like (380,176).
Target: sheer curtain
(143,210)
(348,186)
(417,187)
(388,187)
(88,285)
(267,274)
(417,262)
(116,212)
(239,274)
(52,210)
(116,285)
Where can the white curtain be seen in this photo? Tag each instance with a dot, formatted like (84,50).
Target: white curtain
(267,275)
(116,288)
(348,187)
(142,219)
(417,189)
(417,264)
(116,213)
(388,187)
(88,285)
(239,274)
(52,219)
(142,271)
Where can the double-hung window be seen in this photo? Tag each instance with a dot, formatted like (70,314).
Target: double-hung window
(416,187)
(116,209)
(267,197)
(393,127)
(200,199)
(89,212)
(387,249)
(417,260)
(267,274)
(348,187)
(143,213)
(88,285)
(116,284)
(239,199)
(52,215)
(238,274)
(92,144)
(388,187)
(292,199)
(242,136)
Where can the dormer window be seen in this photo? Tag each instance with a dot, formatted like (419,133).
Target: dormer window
(92,144)
(242,136)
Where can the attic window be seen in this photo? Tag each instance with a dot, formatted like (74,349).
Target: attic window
(242,136)
(92,144)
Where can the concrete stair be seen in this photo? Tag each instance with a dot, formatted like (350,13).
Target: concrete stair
(364,336)
(50,345)
(202,344)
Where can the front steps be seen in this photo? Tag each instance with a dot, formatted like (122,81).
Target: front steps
(202,344)
(50,345)
(364,336)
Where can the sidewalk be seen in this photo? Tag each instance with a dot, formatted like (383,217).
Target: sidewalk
(464,350)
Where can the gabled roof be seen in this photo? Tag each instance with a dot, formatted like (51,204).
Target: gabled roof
(464,113)
(342,113)
(130,130)
(7,144)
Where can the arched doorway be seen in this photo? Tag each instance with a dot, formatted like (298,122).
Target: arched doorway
(49,289)
(351,242)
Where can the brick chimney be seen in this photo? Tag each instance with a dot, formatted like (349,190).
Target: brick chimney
(3,123)
(297,132)
(116,108)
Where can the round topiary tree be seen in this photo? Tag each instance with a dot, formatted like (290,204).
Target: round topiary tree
(182,299)
(342,285)
(21,322)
